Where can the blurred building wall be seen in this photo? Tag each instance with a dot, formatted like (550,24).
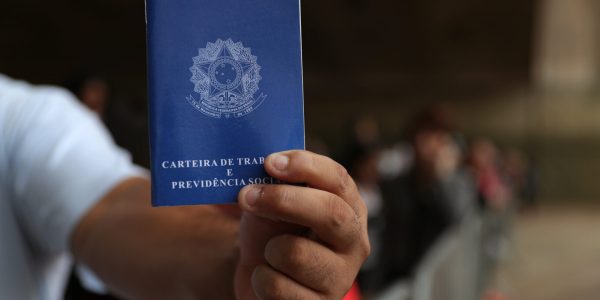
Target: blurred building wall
(566,94)
(567,45)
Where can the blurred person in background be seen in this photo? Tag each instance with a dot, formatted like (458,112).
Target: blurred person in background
(433,195)
(496,198)
(92,90)
(68,192)
(125,119)
(521,176)
(362,161)
(484,163)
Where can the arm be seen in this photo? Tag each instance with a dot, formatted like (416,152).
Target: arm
(142,252)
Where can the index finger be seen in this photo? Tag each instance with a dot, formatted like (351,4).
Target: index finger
(317,171)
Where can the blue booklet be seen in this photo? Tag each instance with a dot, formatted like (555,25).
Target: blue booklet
(225,89)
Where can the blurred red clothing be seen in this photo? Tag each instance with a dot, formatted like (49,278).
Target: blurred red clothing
(354,293)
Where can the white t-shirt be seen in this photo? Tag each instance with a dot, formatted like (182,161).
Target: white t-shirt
(56,161)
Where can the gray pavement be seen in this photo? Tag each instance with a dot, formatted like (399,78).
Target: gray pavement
(554,254)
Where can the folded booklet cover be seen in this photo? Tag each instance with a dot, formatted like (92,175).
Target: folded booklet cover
(225,89)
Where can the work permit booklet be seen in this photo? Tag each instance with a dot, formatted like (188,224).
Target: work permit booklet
(225,89)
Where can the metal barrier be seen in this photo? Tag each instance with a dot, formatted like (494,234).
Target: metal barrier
(451,270)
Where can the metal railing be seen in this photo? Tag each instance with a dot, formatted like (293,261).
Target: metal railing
(455,268)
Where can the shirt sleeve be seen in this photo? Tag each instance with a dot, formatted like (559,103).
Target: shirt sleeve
(62,161)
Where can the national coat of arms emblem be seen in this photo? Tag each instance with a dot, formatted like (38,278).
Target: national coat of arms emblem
(226,76)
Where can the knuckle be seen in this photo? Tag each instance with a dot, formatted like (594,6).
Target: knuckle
(338,213)
(345,181)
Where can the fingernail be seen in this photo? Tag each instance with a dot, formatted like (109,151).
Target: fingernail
(280,162)
(252,195)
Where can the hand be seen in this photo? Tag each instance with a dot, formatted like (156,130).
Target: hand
(301,242)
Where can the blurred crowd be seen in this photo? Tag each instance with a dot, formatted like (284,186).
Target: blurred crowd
(419,186)
(415,187)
